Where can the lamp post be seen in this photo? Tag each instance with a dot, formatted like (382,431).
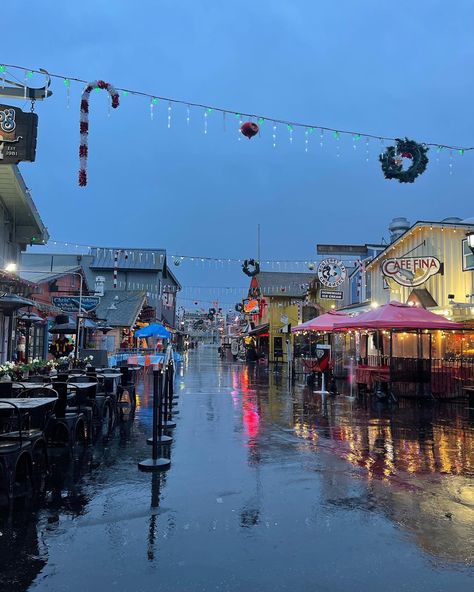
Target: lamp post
(13,268)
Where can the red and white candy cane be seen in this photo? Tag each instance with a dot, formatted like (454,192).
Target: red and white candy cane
(84,123)
(116,258)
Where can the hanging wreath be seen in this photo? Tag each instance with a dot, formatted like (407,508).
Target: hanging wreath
(239,307)
(251,267)
(84,123)
(392,160)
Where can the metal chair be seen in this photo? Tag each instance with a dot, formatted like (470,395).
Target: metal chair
(6,390)
(18,455)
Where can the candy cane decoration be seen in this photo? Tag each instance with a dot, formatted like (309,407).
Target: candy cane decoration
(116,258)
(84,123)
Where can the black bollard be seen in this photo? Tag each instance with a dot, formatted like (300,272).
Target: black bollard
(155,463)
(171,403)
(168,422)
(162,438)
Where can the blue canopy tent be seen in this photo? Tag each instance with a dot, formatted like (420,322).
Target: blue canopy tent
(153,330)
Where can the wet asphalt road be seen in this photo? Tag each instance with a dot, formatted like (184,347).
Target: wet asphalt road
(269,490)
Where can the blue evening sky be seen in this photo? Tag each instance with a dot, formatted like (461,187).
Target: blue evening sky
(397,69)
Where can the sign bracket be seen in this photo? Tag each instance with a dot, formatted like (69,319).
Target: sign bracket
(19,91)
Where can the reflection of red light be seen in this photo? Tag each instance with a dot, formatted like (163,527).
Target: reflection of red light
(251,420)
(250,416)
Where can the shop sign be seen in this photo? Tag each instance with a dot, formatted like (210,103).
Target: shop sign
(251,306)
(411,271)
(71,303)
(331,273)
(18,132)
(331,295)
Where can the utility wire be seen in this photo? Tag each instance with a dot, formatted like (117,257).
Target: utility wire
(240,114)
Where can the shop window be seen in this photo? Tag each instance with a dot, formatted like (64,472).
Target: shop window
(467,257)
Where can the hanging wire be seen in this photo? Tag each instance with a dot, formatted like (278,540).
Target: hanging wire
(288,123)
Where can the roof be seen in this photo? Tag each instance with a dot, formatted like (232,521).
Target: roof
(419,224)
(16,197)
(40,276)
(128,306)
(143,259)
(280,283)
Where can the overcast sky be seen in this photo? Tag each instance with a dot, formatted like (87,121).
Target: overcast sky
(397,69)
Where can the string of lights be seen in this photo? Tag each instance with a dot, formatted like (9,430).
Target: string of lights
(177,259)
(154,99)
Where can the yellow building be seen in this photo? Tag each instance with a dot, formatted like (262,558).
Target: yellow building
(285,300)
(431,265)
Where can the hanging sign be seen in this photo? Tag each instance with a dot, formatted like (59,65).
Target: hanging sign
(251,306)
(331,273)
(411,271)
(71,303)
(331,295)
(18,132)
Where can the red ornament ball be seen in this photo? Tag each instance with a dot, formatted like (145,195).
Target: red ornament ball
(249,129)
(407,155)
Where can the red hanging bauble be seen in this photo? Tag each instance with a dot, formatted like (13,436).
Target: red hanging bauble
(249,129)
(407,155)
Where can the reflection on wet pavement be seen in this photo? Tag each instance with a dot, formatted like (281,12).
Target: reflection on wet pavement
(270,488)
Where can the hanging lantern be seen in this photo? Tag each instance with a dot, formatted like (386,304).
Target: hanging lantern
(249,129)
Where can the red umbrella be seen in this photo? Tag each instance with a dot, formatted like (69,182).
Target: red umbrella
(396,315)
(324,322)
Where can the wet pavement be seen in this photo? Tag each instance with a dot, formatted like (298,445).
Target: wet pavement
(269,490)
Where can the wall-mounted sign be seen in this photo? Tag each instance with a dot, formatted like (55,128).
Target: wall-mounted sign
(71,303)
(331,273)
(17,135)
(331,295)
(411,271)
(251,306)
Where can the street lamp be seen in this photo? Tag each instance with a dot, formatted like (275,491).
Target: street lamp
(13,268)
(470,240)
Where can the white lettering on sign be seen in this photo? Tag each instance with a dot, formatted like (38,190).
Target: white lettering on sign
(411,271)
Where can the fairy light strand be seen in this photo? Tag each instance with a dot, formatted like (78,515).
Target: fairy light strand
(294,124)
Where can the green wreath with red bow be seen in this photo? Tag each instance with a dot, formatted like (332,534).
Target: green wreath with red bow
(392,160)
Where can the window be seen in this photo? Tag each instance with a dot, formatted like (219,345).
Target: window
(467,257)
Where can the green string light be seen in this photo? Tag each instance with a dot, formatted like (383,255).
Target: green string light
(210,109)
(261,120)
(357,137)
(29,74)
(237,115)
(125,93)
(438,150)
(67,82)
(2,68)
(154,101)
(97,89)
(290,127)
(461,151)
(336,135)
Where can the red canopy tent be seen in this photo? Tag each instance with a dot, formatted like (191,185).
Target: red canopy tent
(324,322)
(396,315)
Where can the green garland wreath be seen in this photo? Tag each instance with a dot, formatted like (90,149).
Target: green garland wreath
(251,267)
(392,165)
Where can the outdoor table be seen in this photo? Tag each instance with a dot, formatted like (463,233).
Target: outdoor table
(28,403)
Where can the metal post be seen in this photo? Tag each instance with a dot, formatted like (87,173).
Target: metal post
(155,463)
(78,320)
(162,438)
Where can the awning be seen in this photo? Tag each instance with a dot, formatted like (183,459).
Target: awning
(324,322)
(153,330)
(259,330)
(396,315)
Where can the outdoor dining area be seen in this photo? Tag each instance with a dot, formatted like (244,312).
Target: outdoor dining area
(56,408)
(395,350)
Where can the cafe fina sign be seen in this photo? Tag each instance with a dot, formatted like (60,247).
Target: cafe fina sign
(411,271)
